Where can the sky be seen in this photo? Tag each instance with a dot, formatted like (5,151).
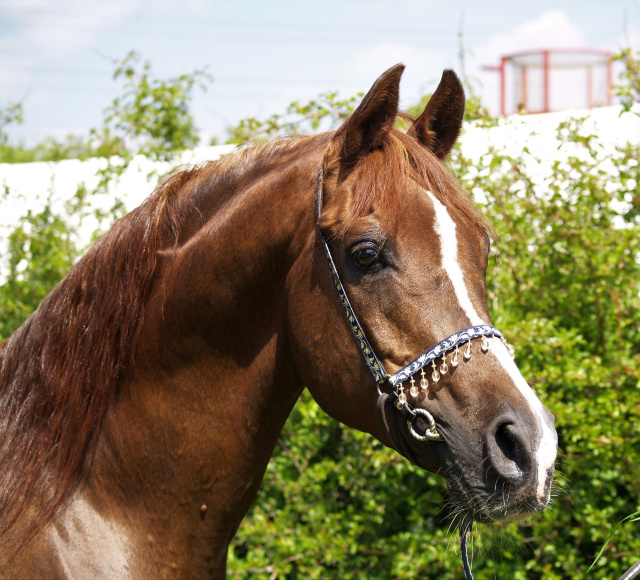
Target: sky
(56,56)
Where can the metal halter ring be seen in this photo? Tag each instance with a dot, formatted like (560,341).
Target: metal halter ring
(430,434)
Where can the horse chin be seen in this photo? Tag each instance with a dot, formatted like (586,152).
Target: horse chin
(479,505)
(485,509)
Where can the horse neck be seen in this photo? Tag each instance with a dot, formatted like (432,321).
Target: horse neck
(219,298)
(197,420)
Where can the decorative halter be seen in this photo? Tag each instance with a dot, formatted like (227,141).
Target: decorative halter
(397,394)
(396,381)
(430,356)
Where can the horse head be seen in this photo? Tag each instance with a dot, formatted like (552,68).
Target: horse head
(410,253)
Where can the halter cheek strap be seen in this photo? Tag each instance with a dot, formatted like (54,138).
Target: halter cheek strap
(373,362)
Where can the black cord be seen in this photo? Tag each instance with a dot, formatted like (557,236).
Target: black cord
(465,528)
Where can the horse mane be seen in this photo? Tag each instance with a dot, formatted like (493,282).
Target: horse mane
(61,370)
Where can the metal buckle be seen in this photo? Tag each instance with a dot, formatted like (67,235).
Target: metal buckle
(430,434)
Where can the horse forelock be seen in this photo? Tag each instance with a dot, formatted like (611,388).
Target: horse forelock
(381,178)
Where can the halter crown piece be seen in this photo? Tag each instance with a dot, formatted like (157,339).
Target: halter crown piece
(397,395)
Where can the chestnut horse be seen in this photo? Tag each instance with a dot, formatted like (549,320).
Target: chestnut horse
(141,402)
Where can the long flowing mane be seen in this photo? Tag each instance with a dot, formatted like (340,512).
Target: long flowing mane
(62,368)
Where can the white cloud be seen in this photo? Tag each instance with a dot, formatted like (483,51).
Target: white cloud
(22,8)
(54,33)
(551,30)
(42,36)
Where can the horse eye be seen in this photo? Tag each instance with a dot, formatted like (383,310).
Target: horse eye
(365,256)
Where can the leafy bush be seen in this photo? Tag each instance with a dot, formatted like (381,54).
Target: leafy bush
(151,118)
(563,284)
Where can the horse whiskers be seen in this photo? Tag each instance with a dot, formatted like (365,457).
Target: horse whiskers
(484,460)
(448,504)
(452,523)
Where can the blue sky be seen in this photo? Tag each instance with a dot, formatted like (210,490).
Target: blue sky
(56,55)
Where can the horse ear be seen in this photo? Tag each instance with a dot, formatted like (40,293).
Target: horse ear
(366,129)
(439,125)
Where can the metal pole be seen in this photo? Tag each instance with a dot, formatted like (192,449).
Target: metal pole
(609,81)
(545,80)
(525,89)
(503,86)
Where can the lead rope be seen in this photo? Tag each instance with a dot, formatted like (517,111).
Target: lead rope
(465,529)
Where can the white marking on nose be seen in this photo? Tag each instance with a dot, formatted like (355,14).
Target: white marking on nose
(547,448)
(445,227)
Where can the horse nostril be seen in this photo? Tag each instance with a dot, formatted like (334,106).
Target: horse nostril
(508,451)
(507,442)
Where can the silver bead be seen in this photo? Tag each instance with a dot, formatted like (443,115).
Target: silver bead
(435,375)
(454,359)
(423,383)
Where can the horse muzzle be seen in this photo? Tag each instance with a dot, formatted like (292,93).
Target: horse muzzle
(505,476)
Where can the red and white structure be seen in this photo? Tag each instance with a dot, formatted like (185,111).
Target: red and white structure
(553,79)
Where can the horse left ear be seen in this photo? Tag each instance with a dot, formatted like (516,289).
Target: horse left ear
(438,127)
(368,126)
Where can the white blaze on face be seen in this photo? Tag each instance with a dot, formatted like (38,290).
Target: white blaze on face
(445,227)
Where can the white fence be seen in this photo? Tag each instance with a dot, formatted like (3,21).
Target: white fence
(28,186)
